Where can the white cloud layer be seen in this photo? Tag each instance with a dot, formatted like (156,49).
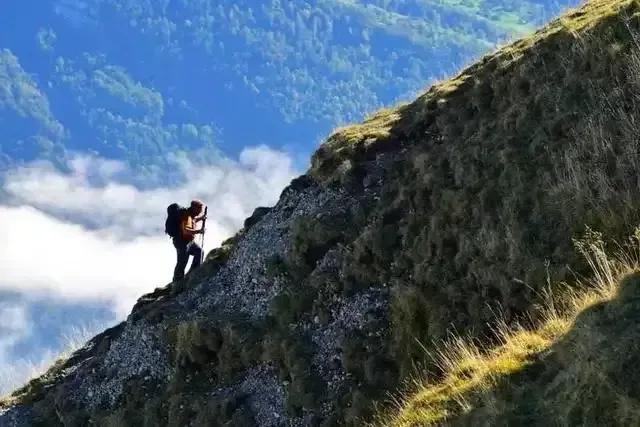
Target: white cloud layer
(87,235)
(93,193)
(67,261)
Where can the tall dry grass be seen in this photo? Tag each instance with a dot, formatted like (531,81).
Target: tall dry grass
(472,373)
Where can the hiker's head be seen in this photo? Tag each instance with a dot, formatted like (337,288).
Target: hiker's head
(196,207)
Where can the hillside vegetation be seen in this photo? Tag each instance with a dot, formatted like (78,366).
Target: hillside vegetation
(505,164)
(575,367)
(426,221)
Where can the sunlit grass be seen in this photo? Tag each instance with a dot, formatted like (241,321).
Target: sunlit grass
(471,373)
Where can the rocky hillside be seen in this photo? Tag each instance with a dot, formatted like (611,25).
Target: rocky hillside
(426,220)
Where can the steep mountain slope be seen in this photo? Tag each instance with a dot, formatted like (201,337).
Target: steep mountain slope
(424,220)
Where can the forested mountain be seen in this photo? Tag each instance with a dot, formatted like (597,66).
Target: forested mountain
(139,79)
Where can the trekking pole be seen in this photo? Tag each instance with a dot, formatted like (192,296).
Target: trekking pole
(204,223)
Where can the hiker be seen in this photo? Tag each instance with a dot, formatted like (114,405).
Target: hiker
(183,233)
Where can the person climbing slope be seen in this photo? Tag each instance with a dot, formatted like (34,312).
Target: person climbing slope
(181,226)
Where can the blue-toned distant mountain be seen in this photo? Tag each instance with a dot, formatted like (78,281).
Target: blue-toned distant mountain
(139,79)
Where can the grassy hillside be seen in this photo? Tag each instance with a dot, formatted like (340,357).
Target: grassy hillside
(506,163)
(576,367)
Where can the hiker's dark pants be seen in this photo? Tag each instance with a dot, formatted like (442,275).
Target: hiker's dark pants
(183,250)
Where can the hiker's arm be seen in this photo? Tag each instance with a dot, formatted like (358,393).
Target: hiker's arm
(190,230)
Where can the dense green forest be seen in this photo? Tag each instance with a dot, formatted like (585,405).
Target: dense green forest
(139,79)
